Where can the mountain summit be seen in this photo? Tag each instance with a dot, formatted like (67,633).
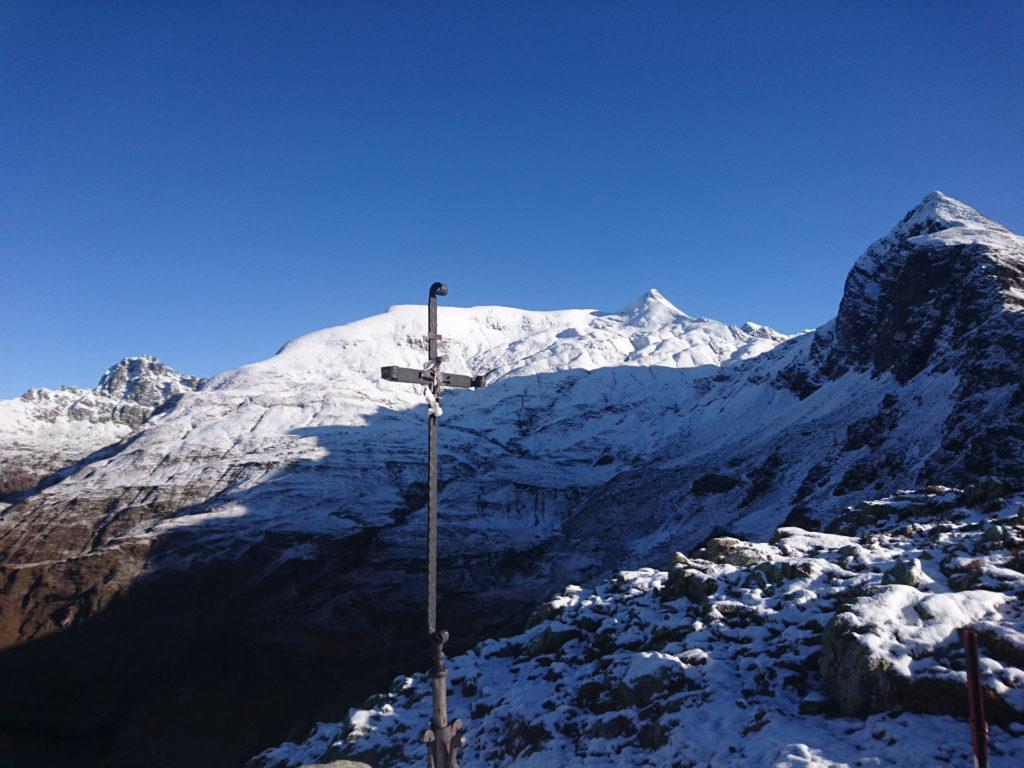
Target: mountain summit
(46,430)
(936,285)
(938,211)
(651,309)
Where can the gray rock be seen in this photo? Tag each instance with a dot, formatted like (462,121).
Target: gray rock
(905,572)
(726,549)
(985,490)
(816,704)
(551,638)
(858,681)
(684,581)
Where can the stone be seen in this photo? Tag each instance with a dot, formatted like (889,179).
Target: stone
(726,549)
(986,489)
(816,704)
(649,675)
(613,727)
(907,572)
(544,612)
(691,583)
(652,736)
(551,638)
(858,681)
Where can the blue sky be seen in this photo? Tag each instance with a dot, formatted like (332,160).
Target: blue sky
(204,181)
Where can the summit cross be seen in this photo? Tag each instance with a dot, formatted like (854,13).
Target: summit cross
(442,739)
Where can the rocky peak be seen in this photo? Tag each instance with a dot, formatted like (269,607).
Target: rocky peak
(931,285)
(938,211)
(46,430)
(145,380)
(763,332)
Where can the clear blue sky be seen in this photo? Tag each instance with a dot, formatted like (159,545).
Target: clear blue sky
(204,181)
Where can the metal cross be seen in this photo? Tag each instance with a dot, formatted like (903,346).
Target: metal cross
(443,740)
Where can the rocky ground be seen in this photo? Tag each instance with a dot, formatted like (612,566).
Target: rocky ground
(817,649)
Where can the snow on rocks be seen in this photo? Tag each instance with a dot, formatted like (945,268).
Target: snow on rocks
(47,429)
(808,654)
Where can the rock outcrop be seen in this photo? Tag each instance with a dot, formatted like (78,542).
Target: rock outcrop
(47,430)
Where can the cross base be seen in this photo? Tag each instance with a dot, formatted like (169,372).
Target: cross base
(443,745)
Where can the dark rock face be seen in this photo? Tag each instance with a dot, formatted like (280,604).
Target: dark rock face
(911,298)
(942,293)
(712,483)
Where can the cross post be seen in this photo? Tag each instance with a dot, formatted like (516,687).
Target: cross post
(443,739)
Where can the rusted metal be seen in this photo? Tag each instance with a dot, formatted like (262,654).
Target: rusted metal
(443,739)
(975,698)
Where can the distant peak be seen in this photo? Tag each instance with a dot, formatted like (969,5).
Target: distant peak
(144,378)
(129,368)
(938,211)
(653,294)
(651,307)
(762,332)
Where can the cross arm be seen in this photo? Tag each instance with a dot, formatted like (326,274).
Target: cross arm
(414,376)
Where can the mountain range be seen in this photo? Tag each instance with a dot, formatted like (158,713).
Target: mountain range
(173,549)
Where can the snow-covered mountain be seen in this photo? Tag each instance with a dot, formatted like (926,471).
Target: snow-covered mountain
(276,507)
(48,429)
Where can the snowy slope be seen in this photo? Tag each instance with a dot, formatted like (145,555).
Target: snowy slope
(249,431)
(46,430)
(818,649)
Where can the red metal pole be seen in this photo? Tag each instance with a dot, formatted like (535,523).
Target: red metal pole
(975,699)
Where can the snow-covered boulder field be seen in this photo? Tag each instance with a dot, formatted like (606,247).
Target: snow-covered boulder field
(817,649)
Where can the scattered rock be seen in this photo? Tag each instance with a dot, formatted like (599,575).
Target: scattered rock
(551,638)
(985,490)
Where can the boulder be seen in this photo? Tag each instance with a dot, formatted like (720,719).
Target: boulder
(691,583)
(906,572)
(648,675)
(726,549)
(551,638)
(859,681)
(896,648)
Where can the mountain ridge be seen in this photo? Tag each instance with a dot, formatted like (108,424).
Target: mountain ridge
(46,430)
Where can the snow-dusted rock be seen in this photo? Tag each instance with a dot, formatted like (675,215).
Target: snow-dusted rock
(650,681)
(46,430)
